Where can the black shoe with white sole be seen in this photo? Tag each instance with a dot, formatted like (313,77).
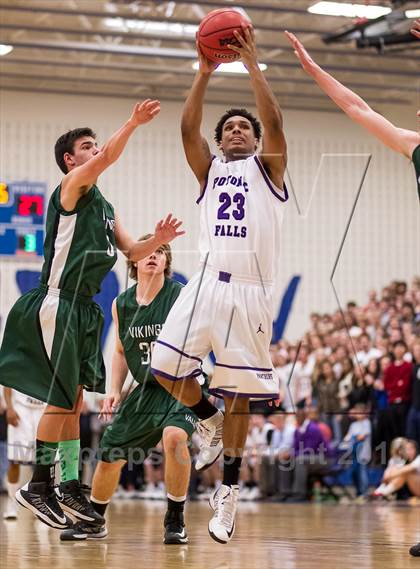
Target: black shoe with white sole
(175,533)
(84,530)
(41,500)
(415,550)
(72,500)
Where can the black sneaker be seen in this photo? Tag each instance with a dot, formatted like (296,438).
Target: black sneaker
(72,500)
(84,530)
(40,499)
(415,550)
(174,528)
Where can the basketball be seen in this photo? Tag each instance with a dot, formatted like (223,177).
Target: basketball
(215,33)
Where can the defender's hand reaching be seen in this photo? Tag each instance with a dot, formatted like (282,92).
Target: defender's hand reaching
(167,230)
(305,59)
(145,112)
(415,30)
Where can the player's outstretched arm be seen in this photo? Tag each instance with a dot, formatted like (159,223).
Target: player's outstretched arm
(119,373)
(274,150)
(196,147)
(415,30)
(80,179)
(165,232)
(398,139)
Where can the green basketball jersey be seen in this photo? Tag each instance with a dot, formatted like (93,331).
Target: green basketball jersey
(416,162)
(79,247)
(139,326)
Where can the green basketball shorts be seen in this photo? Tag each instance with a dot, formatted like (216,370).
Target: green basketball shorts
(52,344)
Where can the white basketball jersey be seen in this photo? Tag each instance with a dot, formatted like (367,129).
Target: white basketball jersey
(241,215)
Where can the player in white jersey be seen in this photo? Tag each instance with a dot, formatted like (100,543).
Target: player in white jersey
(227,306)
(22,415)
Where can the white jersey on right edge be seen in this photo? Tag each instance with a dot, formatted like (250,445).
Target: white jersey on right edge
(241,215)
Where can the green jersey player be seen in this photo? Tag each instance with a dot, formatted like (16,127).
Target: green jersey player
(149,413)
(51,346)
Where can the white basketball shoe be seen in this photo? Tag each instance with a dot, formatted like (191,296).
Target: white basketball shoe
(211,446)
(224,502)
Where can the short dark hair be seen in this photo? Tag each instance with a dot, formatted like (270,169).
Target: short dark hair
(400,343)
(166,248)
(66,144)
(256,125)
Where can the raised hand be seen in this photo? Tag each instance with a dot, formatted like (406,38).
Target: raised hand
(415,30)
(110,406)
(247,47)
(145,112)
(206,65)
(167,230)
(305,59)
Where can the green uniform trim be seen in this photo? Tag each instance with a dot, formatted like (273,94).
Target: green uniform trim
(69,452)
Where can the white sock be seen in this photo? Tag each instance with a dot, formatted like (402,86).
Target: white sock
(12,488)
(389,489)
(176,498)
(92,499)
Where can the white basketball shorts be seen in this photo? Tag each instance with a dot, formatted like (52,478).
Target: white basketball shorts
(21,439)
(231,317)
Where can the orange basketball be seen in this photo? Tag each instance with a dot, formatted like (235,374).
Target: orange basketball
(215,33)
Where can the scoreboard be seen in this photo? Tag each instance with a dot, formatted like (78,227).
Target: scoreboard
(22,207)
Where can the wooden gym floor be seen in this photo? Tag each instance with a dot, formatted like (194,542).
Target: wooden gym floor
(302,536)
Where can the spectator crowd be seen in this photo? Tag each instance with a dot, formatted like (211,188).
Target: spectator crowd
(349,388)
